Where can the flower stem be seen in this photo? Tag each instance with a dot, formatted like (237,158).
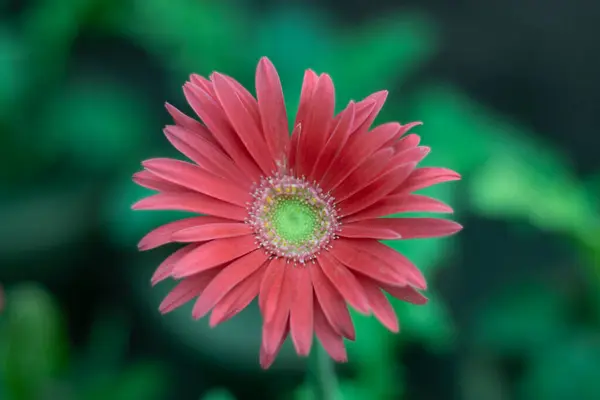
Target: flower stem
(321,372)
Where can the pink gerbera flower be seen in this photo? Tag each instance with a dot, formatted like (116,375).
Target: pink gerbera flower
(295,220)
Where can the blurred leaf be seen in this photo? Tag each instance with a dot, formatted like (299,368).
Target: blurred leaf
(193,36)
(48,41)
(142,381)
(512,186)
(461,133)
(302,29)
(373,355)
(381,54)
(97,122)
(38,223)
(13,79)
(431,324)
(33,345)
(306,392)
(522,320)
(218,394)
(568,369)
(482,377)
(110,328)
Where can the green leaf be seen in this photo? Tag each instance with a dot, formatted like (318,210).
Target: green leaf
(545,194)
(147,381)
(431,324)
(192,36)
(33,343)
(380,55)
(522,320)
(100,124)
(13,79)
(218,394)
(567,369)
(462,134)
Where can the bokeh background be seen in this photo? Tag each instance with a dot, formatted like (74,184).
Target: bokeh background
(509,92)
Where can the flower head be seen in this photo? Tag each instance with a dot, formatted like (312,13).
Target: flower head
(294,220)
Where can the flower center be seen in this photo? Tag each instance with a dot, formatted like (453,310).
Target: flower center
(292,218)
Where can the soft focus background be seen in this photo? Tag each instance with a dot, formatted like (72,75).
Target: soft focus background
(509,92)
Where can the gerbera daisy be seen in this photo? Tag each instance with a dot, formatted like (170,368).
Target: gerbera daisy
(295,220)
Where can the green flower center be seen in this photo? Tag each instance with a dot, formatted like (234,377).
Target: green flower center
(294,220)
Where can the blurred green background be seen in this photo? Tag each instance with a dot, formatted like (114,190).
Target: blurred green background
(508,92)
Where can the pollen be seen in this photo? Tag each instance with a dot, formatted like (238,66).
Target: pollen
(292,218)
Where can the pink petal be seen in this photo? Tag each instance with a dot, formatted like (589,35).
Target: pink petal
(293,150)
(270,288)
(249,102)
(165,269)
(150,181)
(358,231)
(332,303)
(376,191)
(190,124)
(398,204)
(410,228)
(274,329)
(177,136)
(406,293)
(414,155)
(331,341)
(335,144)
(348,253)
(371,105)
(213,254)
(216,120)
(301,311)
(194,178)
(211,231)
(380,305)
(206,154)
(266,358)
(226,280)
(206,86)
(237,298)
(308,86)
(359,147)
(378,252)
(405,128)
(316,125)
(363,111)
(162,234)
(407,142)
(243,123)
(192,202)
(368,172)
(272,108)
(185,291)
(425,177)
(345,282)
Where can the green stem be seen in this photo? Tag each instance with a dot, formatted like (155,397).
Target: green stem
(321,370)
